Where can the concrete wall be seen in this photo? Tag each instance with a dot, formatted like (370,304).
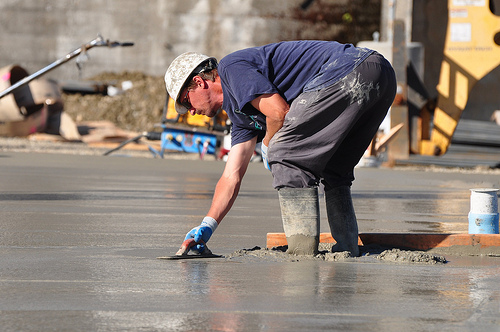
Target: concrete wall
(34,33)
(37,32)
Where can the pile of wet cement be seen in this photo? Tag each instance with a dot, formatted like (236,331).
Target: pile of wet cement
(388,255)
(405,256)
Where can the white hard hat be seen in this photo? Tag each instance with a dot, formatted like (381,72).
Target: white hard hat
(181,69)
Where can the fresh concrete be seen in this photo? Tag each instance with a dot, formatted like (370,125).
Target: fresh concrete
(79,237)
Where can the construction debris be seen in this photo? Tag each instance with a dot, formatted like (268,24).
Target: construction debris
(136,109)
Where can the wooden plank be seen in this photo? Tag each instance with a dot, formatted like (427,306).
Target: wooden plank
(402,240)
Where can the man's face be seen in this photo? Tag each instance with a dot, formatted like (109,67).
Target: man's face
(201,99)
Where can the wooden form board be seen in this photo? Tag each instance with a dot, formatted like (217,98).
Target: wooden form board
(411,241)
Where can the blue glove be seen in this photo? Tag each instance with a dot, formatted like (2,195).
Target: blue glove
(263,152)
(202,234)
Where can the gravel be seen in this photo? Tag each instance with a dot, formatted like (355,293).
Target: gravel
(136,109)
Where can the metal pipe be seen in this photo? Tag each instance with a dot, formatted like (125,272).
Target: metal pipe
(99,41)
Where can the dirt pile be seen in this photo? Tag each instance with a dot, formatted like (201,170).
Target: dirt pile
(136,109)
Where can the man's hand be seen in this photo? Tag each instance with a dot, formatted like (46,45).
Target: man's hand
(200,235)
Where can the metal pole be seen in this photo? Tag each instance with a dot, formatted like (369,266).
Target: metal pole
(99,41)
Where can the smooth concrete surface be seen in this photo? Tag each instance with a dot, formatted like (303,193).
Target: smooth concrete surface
(79,237)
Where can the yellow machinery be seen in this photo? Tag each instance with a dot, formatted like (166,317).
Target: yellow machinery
(471,51)
(190,133)
(193,120)
(187,133)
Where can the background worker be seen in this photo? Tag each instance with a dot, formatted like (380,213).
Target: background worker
(315,105)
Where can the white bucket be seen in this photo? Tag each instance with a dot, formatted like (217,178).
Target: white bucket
(484,200)
(483,215)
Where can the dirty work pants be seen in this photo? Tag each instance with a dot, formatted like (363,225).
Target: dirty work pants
(326,132)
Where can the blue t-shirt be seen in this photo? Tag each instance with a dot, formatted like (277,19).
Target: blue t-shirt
(288,68)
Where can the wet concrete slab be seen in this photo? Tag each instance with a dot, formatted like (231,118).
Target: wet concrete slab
(79,237)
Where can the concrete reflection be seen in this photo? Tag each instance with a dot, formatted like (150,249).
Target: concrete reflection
(436,212)
(214,294)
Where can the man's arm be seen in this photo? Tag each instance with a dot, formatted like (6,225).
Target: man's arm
(274,107)
(229,183)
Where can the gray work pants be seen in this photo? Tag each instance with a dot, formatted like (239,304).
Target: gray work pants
(326,132)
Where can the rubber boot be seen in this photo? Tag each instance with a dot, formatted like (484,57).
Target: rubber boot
(300,216)
(342,220)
